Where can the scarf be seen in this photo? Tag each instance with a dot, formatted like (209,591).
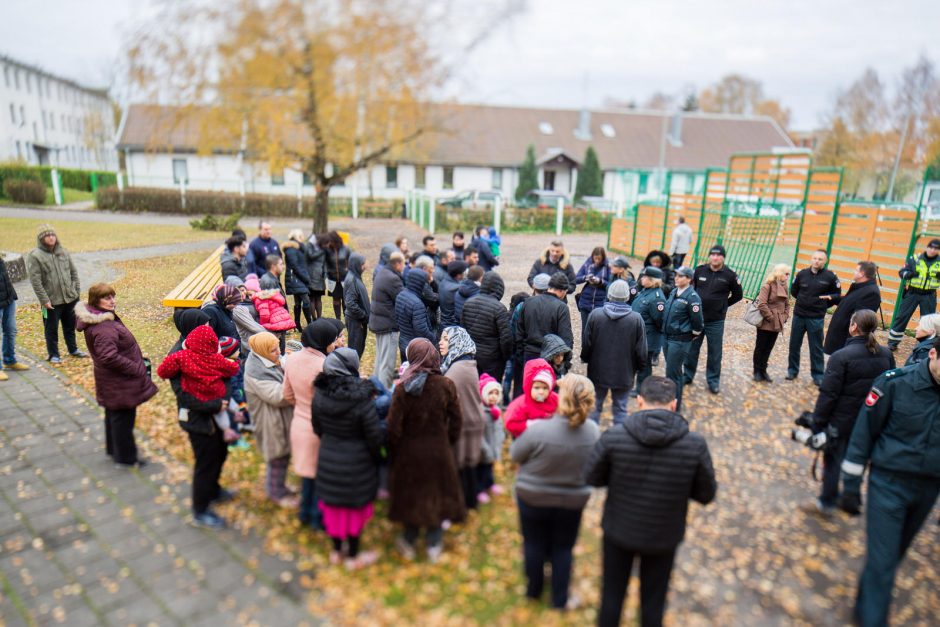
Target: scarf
(460,344)
(227,295)
(423,359)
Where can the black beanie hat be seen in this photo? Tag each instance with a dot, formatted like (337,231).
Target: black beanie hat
(558,282)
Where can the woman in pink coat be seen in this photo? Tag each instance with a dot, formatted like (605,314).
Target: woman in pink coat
(300,369)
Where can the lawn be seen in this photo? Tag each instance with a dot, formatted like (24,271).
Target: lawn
(479,580)
(19,234)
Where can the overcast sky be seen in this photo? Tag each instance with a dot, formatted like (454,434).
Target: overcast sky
(803,51)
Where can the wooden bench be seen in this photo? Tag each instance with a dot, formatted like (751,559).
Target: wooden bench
(197,287)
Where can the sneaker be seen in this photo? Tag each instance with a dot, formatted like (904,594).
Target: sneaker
(209,520)
(435,552)
(78,353)
(55,360)
(4,376)
(140,463)
(406,550)
(224,496)
(15,366)
(714,389)
(816,508)
(362,560)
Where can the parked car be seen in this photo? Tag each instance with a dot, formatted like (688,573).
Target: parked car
(597,203)
(472,199)
(542,199)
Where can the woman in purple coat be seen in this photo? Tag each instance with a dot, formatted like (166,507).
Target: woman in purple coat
(122,379)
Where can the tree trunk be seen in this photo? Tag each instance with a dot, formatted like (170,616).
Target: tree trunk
(321,210)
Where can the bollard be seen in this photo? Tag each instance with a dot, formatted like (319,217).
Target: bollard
(559,215)
(183,194)
(355,201)
(432,218)
(300,198)
(497,213)
(56,187)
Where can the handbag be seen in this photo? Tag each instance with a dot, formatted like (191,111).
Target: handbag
(752,314)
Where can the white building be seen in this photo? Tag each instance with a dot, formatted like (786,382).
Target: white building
(481,148)
(50,120)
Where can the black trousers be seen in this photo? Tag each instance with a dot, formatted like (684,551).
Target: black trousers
(302,305)
(51,319)
(119,434)
(356,331)
(763,345)
(654,584)
(210,452)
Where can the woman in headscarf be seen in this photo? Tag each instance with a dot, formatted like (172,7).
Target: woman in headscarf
(459,352)
(208,444)
(271,412)
(225,299)
(424,422)
(345,419)
(300,370)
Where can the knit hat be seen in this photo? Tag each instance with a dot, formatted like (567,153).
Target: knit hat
(234,281)
(620,262)
(457,267)
(686,271)
(541,281)
(44,229)
(488,384)
(227,295)
(652,272)
(252,284)
(930,324)
(559,281)
(545,377)
(228,346)
(618,291)
(717,249)
(263,344)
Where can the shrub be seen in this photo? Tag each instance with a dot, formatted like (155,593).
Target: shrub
(25,191)
(16,172)
(213,223)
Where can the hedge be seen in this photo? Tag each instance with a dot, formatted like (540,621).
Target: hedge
(162,200)
(72,179)
(25,191)
(522,219)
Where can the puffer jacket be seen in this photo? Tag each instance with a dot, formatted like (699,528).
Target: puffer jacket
(296,278)
(593,295)
(447,294)
(486,319)
(467,290)
(650,303)
(411,312)
(7,293)
(386,285)
(272,313)
(543,265)
(52,274)
(355,294)
(674,465)
(316,264)
(849,375)
(344,417)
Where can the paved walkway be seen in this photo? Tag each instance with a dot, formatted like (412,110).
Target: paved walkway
(83,543)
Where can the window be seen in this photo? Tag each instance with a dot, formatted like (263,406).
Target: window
(29,89)
(180,171)
(12,113)
(608,131)
(306,179)
(420,174)
(689,183)
(22,115)
(6,75)
(448,177)
(545,128)
(549,176)
(19,151)
(497,178)
(277,178)
(16,78)
(391,176)
(644,183)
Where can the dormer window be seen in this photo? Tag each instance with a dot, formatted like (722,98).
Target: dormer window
(545,128)
(608,131)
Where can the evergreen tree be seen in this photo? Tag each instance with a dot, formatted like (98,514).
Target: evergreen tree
(590,177)
(528,174)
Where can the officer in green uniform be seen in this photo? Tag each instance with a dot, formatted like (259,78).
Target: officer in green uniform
(898,434)
(682,322)
(923,279)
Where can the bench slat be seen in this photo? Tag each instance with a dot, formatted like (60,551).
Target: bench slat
(193,290)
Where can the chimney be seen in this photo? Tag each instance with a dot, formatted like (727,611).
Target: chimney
(675,129)
(583,132)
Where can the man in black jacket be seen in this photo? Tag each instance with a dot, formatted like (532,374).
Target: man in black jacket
(862,294)
(545,313)
(652,465)
(468,288)
(815,289)
(554,259)
(486,319)
(614,348)
(234,259)
(719,287)
(382,322)
(448,292)
(358,308)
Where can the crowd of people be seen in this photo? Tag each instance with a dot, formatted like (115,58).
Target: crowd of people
(456,370)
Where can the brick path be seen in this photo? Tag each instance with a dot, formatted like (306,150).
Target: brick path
(83,543)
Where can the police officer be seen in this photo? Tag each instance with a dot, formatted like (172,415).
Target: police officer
(650,303)
(815,289)
(682,323)
(898,434)
(923,279)
(719,287)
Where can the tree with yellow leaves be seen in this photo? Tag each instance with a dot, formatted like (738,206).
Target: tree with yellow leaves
(736,93)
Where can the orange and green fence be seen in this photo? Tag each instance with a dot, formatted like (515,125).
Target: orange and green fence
(776,208)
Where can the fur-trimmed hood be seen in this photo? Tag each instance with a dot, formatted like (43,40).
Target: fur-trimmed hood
(86,316)
(562,263)
(290,244)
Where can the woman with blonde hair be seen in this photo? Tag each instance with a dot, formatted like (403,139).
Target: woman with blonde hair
(773,301)
(550,488)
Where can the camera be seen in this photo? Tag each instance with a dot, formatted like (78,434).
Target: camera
(810,434)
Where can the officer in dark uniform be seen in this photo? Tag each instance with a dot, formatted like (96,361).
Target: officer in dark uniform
(815,290)
(650,303)
(898,433)
(682,322)
(923,279)
(719,287)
